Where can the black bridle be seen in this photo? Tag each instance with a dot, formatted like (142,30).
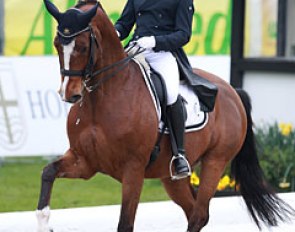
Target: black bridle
(87,74)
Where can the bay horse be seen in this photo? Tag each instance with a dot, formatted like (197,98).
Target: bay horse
(113,127)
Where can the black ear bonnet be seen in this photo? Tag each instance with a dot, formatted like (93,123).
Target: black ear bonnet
(72,22)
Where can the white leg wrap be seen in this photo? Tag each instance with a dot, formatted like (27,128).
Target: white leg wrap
(43,217)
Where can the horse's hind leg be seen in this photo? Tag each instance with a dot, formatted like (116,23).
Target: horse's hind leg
(68,166)
(211,172)
(181,193)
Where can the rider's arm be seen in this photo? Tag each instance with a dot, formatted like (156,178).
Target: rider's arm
(183,29)
(126,21)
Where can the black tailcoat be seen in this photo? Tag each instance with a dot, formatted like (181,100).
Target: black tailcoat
(170,21)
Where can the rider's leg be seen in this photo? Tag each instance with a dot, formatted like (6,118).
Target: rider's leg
(176,117)
(165,63)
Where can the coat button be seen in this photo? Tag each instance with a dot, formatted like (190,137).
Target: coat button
(136,37)
(160,15)
(156,26)
(139,14)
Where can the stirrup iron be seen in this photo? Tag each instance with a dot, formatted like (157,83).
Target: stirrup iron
(174,176)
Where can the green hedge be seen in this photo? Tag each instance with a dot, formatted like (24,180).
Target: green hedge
(276,150)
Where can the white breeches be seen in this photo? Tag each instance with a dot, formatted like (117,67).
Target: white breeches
(165,63)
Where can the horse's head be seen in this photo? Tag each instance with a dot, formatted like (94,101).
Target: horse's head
(75,43)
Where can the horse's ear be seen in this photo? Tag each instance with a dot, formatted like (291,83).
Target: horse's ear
(86,17)
(52,9)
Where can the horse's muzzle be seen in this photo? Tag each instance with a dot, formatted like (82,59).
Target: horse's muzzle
(74,98)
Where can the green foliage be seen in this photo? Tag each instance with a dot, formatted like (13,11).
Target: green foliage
(276,150)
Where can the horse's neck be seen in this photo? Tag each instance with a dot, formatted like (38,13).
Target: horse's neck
(111,51)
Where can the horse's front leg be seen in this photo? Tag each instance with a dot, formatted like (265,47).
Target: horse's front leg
(68,166)
(43,210)
(132,183)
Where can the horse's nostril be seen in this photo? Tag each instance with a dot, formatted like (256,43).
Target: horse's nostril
(74,98)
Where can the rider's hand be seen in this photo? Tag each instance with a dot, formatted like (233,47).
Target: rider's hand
(147,42)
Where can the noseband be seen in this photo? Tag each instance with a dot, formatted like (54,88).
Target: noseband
(87,74)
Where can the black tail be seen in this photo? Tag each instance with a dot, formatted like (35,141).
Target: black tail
(261,200)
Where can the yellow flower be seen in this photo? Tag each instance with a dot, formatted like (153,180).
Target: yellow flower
(284,185)
(225,180)
(221,186)
(232,183)
(223,183)
(195,180)
(285,128)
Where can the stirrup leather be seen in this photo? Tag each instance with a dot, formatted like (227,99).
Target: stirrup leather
(174,176)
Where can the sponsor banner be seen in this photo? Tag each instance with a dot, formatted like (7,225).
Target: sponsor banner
(32,116)
(269,27)
(29,29)
(261,28)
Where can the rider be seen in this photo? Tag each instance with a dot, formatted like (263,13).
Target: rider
(163,27)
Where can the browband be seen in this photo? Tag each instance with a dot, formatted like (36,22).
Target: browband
(74,34)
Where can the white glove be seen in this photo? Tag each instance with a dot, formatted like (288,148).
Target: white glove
(147,42)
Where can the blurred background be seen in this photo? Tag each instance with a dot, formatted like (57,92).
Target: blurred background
(248,43)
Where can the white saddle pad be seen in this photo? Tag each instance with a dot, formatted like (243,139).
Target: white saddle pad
(196,119)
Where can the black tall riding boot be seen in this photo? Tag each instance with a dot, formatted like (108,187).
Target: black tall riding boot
(175,114)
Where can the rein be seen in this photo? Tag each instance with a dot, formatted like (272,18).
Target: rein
(120,65)
(87,74)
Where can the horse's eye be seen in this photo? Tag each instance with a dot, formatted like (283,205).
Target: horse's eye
(81,49)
